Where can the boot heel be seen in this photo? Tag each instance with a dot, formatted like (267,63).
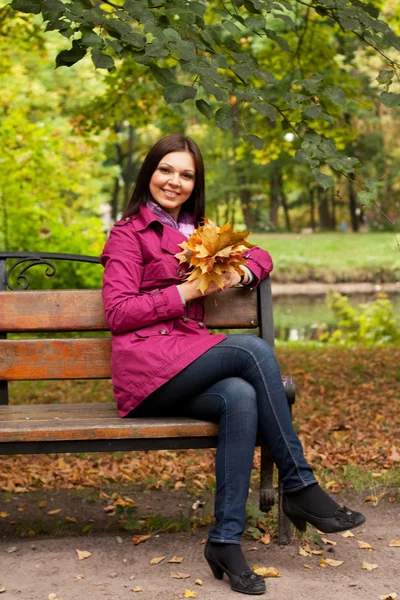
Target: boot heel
(216,570)
(299,523)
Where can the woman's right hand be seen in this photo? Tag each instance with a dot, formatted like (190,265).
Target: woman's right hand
(190,289)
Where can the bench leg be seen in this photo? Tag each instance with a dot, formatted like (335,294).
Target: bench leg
(267,495)
(285,525)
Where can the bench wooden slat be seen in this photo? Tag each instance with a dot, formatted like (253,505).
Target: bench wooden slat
(88,424)
(87,358)
(82,310)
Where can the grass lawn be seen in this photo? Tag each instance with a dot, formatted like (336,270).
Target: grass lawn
(332,257)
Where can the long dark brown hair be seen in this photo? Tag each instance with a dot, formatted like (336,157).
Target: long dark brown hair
(195,204)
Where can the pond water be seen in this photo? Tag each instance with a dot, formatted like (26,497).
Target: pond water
(303,317)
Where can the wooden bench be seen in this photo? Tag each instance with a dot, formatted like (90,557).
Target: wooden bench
(37,429)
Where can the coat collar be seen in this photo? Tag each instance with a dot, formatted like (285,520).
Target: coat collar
(170,236)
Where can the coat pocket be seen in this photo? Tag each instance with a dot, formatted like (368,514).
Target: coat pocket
(156,329)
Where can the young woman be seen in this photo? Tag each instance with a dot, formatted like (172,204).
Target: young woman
(166,362)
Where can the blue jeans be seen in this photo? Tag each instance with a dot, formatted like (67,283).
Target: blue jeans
(237,384)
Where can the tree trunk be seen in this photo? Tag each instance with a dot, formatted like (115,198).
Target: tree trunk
(114,199)
(312,208)
(355,223)
(284,200)
(323,209)
(127,171)
(274,193)
(333,209)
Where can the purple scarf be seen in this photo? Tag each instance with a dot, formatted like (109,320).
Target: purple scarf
(185,222)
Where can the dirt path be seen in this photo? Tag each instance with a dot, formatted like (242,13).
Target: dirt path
(33,568)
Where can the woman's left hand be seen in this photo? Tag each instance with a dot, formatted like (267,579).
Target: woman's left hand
(232,279)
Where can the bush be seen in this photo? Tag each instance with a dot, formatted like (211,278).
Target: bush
(371,324)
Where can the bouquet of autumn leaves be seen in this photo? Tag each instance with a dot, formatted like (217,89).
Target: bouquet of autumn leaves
(212,251)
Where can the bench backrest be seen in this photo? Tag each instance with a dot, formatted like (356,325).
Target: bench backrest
(55,311)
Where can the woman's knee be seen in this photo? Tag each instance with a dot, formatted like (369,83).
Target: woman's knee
(255,345)
(239,397)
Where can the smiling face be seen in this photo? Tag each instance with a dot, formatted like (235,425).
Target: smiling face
(173,181)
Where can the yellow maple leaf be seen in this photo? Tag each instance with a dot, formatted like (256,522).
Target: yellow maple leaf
(212,251)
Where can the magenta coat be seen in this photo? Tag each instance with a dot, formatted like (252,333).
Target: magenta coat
(154,335)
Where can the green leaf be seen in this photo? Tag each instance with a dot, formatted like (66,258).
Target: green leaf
(255,140)
(335,95)
(312,111)
(311,84)
(175,93)
(224,118)
(52,10)
(266,110)
(345,164)
(91,39)
(242,71)
(163,76)
(390,99)
(324,181)
(367,198)
(254,23)
(67,58)
(102,61)
(27,6)
(204,108)
(385,76)
(231,27)
(349,23)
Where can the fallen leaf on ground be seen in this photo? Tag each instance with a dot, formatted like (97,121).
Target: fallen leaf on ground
(331,562)
(375,498)
(189,594)
(42,504)
(348,534)
(391,596)
(2,589)
(368,566)
(203,541)
(104,496)
(138,539)
(176,559)
(304,552)
(4,514)
(80,576)
(53,596)
(252,549)
(83,554)
(308,566)
(266,571)
(364,546)
(266,539)
(156,560)
(109,509)
(138,588)
(395,543)
(70,520)
(317,552)
(198,582)
(329,542)
(54,512)
(176,575)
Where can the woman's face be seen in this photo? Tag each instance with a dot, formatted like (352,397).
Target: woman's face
(173,181)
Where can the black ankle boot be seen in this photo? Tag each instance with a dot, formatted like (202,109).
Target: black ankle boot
(342,519)
(247,582)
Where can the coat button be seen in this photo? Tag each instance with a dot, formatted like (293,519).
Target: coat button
(201,324)
(163,331)
(185,319)
(180,273)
